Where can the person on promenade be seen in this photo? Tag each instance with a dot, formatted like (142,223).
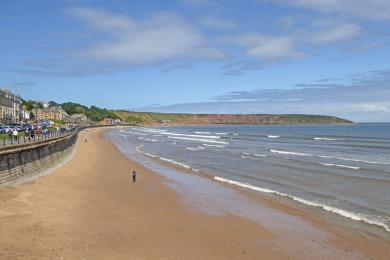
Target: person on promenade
(27,135)
(15,134)
(134,174)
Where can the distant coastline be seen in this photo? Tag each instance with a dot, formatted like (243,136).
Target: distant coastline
(96,114)
(152,118)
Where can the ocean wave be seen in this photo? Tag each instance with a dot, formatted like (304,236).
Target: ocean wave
(178,164)
(327,157)
(326,138)
(254,154)
(139,134)
(236,134)
(198,140)
(174,162)
(273,136)
(341,212)
(221,133)
(138,149)
(196,136)
(147,139)
(352,160)
(205,133)
(134,133)
(152,129)
(341,166)
(214,145)
(286,152)
(192,149)
(244,157)
(149,154)
(177,134)
(259,155)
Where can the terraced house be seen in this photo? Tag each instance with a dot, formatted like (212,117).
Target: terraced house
(9,107)
(51,113)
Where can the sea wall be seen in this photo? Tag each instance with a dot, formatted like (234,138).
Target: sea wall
(19,163)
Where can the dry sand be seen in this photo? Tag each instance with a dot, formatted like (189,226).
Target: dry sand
(89,209)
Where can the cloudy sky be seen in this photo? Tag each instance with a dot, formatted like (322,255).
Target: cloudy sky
(202,56)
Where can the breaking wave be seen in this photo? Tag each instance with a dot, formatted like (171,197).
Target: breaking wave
(195,148)
(326,138)
(341,166)
(177,134)
(198,139)
(341,212)
(327,157)
(178,164)
(214,145)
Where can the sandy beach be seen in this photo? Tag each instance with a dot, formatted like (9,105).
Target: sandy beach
(89,209)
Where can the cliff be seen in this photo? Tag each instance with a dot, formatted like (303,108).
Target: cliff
(247,119)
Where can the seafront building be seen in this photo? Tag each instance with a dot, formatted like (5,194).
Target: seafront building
(79,118)
(110,121)
(9,107)
(51,113)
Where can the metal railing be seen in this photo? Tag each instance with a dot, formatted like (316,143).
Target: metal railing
(34,137)
(40,136)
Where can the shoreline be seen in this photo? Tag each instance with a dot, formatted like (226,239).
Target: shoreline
(348,218)
(341,227)
(89,209)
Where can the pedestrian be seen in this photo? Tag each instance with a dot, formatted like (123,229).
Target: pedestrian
(15,134)
(134,176)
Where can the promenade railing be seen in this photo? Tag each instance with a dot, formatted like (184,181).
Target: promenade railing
(30,138)
(36,137)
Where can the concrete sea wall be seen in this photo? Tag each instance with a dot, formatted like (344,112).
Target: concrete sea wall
(20,163)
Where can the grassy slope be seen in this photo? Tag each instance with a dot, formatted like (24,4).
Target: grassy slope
(155,118)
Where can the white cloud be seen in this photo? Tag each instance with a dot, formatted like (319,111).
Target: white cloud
(338,33)
(360,97)
(157,38)
(119,42)
(268,48)
(275,48)
(371,9)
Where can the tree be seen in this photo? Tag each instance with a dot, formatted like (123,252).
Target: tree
(53,104)
(74,108)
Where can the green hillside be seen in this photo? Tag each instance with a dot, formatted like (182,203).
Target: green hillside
(158,118)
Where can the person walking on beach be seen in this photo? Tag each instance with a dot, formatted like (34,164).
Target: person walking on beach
(134,174)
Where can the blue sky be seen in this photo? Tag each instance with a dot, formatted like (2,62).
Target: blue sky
(202,56)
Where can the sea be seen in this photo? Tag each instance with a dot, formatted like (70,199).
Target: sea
(341,169)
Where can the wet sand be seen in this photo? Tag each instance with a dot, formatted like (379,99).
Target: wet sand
(89,209)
